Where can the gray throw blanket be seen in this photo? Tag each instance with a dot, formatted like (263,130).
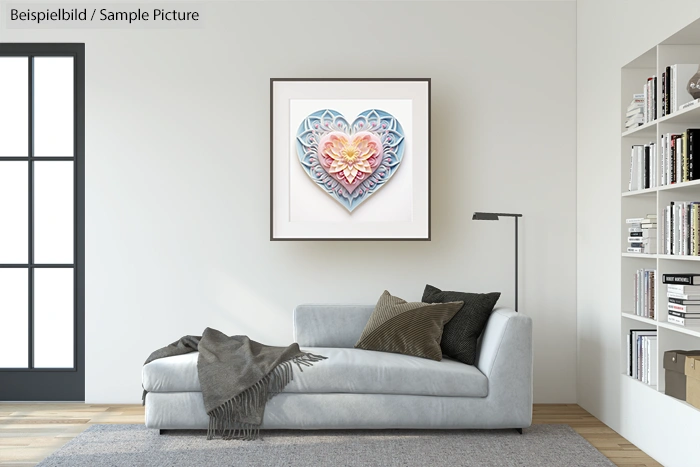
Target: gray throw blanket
(238,376)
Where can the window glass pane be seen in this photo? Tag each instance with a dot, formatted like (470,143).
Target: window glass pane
(14,106)
(14,318)
(53,106)
(53,212)
(14,212)
(53,318)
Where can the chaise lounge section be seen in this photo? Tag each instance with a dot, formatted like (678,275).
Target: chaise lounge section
(363,389)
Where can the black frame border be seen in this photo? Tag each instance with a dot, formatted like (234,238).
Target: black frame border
(55,384)
(272,227)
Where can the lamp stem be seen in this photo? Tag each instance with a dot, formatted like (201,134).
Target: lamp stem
(516,264)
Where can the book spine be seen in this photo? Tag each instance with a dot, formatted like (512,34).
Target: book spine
(676,320)
(654,107)
(679,161)
(691,229)
(630,187)
(671,240)
(672,161)
(663,94)
(663,161)
(678,308)
(667,102)
(680,314)
(692,138)
(680,279)
(684,155)
(696,231)
(646,167)
(652,294)
(681,301)
(673,88)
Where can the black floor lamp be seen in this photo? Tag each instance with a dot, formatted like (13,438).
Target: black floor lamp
(494,216)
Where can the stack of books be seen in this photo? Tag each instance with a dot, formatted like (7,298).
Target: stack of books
(643,167)
(641,355)
(678,157)
(683,292)
(645,293)
(680,233)
(635,112)
(674,93)
(641,236)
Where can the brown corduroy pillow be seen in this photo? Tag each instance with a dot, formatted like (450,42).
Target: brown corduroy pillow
(413,328)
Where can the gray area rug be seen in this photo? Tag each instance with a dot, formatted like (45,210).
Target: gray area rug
(136,445)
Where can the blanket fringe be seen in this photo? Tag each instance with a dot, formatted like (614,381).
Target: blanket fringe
(225,420)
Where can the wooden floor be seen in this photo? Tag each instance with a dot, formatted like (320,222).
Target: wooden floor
(30,432)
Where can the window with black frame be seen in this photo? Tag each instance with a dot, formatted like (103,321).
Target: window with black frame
(42,221)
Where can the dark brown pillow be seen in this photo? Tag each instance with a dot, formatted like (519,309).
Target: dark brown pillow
(459,339)
(415,328)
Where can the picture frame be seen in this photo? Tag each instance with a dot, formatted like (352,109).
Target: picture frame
(350,159)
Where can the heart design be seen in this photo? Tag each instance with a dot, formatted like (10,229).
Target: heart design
(350,162)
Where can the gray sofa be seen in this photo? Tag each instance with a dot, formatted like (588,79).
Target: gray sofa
(365,389)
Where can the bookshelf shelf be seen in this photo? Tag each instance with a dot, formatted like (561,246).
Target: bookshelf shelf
(695,184)
(646,191)
(695,332)
(680,257)
(689,115)
(641,319)
(646,130)
(640,255)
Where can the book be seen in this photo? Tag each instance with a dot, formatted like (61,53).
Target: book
(684,308)
(634,350)
(681,278)
(667,88)
(692,137)
(681,296)
(635,220)
(682,314)
(645,293)
(680,301)
(683,289)
(641,239)
(681,74)
(683,321)
(681,228)
(690,104)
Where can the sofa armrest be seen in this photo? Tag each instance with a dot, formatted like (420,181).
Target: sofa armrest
(505,358)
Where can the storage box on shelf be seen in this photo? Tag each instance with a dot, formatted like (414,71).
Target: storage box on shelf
(692,373)
(674,367)
(658,165)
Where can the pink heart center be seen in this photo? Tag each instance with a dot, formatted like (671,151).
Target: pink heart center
(350,159)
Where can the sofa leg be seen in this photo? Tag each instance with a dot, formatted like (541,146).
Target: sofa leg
(160,432)
(519,430)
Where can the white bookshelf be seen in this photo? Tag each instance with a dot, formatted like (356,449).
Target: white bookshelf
(683,47)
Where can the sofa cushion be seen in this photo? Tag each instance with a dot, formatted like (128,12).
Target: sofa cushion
(346,371)
(410,328)
(461,333)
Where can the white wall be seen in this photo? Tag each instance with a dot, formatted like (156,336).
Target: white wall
(177,204)
(610,34)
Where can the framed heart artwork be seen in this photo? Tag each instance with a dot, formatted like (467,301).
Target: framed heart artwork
(350,159)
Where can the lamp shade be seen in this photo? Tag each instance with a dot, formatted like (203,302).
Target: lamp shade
(485,216)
